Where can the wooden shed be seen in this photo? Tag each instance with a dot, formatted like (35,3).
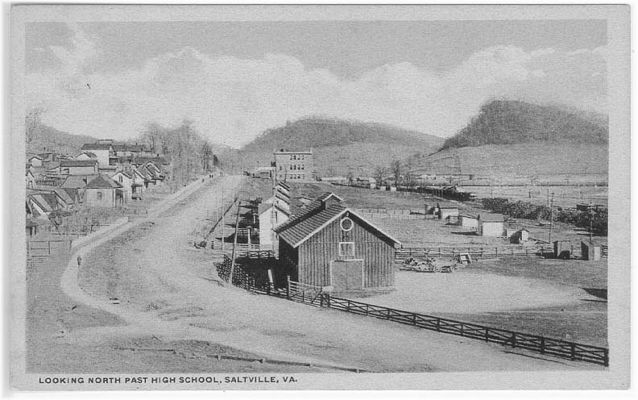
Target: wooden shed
(330,245)
(468,221)
(447,211)
(590,250)
(491,225)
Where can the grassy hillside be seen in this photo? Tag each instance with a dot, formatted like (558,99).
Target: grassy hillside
(526,159)
(513,122)
(46,138)
(339,146)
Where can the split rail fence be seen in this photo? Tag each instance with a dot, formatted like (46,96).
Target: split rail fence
(315,296)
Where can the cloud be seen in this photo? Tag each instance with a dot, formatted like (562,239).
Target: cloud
(232,99)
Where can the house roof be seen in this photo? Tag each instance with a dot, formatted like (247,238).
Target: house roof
(298,232)
(64,195)
(126,174)
(103,182)
(78,163)
(39,157)
(76,181)
(491,217)
(88,153)
(263,207)
(96,146)
(443,204)
(328,195)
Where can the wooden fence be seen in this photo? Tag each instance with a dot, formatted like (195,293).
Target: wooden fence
(474,252)
(315,296)
(44,248)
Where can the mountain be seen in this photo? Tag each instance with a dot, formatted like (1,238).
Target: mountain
(45,138)
(503,122)
(514,138)
(339,146)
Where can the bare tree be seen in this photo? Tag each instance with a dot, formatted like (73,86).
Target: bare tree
(32,122)
(379,174)
(397,169)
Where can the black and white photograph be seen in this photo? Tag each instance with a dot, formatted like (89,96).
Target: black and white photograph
(319,197)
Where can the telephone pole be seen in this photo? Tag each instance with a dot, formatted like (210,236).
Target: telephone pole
(551,217)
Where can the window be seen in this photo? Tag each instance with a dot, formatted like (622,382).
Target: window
(99,195)
(121,180)
(346,250)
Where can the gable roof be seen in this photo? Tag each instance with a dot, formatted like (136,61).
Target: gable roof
(297,233)
(263,207)
(444,204)
(126,174)
(76,181)
(39,157)
(103,182)
(64,195)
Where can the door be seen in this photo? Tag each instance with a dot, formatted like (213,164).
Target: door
(346,275)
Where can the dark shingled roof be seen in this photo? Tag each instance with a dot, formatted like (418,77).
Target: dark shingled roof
(103,182)
(302,226)
(298,231)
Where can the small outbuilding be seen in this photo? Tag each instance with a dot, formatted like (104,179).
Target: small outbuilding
(520,236)
(330,245)
(590,250)
(447,211)
(468,221)
(491,225)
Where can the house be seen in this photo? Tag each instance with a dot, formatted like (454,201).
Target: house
(294,165)
(78,167)
(125,179)
(270,216)
(447,211)
(491,225)
(339,180)
(29,179)
(468,221)
(35,160)
(103,191)
(103,149)
(330,245)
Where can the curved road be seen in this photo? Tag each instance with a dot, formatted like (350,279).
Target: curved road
(170,292)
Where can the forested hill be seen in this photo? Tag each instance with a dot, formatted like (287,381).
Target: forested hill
(325,132)
(42,138)
(339,146)
(514,122)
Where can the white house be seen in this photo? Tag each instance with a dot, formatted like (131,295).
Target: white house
(102,151)
(270,216)
(126,181)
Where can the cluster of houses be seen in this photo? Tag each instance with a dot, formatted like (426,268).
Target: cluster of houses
(103,174)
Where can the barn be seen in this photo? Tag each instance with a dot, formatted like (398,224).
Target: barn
(330,245)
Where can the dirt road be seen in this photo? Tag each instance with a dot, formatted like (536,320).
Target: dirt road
(169,291)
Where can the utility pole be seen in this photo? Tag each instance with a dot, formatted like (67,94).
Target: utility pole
(232,263)
(551,218)
(223,217)
(591,222)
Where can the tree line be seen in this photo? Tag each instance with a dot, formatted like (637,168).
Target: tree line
(523,209)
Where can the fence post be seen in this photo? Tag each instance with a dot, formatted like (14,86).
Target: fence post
(543,345)
(606,357)
(513,339)
(572,349)
(348,306)
(496,251)
(413,318)
(487,334)
(288,287)
(438,324)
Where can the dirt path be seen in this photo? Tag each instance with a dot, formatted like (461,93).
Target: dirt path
(166,292)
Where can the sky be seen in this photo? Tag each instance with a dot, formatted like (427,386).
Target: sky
(236,79)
